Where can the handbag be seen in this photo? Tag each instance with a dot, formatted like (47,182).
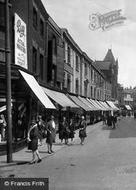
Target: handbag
(29,145)
(44,134)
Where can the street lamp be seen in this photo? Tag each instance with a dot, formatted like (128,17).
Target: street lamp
(8,85)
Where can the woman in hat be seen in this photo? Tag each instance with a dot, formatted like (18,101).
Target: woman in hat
(32,138)
(51,131)
(82,130)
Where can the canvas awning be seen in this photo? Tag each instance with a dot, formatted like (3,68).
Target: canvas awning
(108,108)
(60,98)
(3,108)
(85,101)
(111,104)
(128,107)
(37,90)
(80,103)
(98,107)
(100,104)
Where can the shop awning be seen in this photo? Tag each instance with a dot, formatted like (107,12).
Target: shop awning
(80,103)
(108,108)
(85,101)
(60,98)
(128,107)
(111,104)
(98,107)
(101,105)
(37,90)
(3,108)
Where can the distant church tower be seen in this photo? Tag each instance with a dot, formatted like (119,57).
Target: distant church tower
(113,72)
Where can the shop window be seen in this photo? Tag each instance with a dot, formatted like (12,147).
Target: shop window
(41,27)
(35,17)
(34,59)
(41,67)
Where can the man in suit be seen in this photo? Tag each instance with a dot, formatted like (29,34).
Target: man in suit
(51,130)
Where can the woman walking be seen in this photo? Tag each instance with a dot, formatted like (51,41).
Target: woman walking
(41,128)
(82,130)
(51,131)
(66,130)
(32,138)
(72,129)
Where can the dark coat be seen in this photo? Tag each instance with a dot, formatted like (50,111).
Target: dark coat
(82,129)
(51,132)
(34,134)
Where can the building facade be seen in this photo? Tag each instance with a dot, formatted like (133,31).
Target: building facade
(36,53)
(72,64)
(110,69)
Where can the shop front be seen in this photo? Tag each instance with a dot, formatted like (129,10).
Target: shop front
(28,100)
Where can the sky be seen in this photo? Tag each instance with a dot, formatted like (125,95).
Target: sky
(74,15)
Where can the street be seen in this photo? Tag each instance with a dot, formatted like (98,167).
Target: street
(107,161)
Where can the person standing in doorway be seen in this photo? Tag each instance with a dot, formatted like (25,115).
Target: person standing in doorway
(51,131)
(82,130)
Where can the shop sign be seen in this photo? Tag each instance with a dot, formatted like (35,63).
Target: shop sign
(20,42)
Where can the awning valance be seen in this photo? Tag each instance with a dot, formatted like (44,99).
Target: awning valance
(37,90)
(60,98)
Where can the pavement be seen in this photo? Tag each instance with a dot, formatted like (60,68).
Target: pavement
(24,155)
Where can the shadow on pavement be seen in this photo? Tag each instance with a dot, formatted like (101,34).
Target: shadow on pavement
(125,128)
(15,162)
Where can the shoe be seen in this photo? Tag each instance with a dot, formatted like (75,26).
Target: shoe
(39,160)
(49,152)
(52,151)
(32,162)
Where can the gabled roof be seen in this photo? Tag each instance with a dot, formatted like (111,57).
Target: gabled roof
(103,65)
(109,57)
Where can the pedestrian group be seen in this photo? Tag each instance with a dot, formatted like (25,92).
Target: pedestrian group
(40,130)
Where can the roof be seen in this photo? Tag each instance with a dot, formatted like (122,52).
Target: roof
(109,57)
(103,65)
(69,37)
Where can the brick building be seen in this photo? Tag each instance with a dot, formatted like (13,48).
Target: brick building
(110,69)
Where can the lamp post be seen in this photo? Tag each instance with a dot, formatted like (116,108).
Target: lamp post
(8,85)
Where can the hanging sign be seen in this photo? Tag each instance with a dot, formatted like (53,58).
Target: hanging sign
(20,42)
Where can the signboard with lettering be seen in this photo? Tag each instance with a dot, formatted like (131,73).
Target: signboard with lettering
(20,42)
